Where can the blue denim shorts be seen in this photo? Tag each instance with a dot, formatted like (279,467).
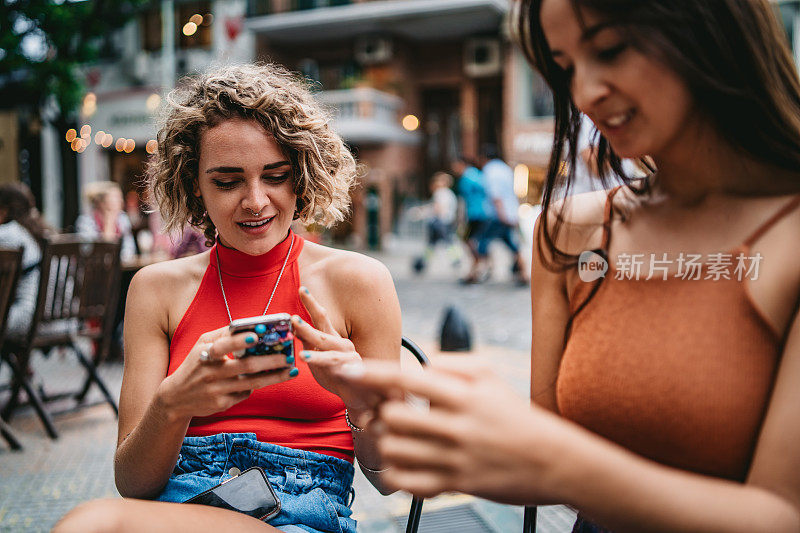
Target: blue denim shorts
(315,490)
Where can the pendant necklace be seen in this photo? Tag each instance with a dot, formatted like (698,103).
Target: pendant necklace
(275,288)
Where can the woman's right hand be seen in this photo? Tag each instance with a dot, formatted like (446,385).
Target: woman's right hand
(202,388)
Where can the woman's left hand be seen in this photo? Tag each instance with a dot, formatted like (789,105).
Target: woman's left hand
(326,352)
(478,437)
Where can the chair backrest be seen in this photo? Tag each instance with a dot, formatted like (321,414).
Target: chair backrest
(415,513)
(79,280)
(10,267)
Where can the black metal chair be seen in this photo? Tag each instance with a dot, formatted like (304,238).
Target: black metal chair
(78,293)
(10,268)
(529,520)
(415,512)
(414,515)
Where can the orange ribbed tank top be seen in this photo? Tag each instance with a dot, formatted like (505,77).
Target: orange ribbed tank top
(298,413)
(678,371)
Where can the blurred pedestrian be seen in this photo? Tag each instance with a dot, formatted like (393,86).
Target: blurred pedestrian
(107,219)
(441,221)
(22,226)
(499,180)
(478,212)
(666,395)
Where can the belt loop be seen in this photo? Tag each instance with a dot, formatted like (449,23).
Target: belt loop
(291,479)
(351,497)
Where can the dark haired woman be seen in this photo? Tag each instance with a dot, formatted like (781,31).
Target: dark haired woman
(667,394)
(21,226)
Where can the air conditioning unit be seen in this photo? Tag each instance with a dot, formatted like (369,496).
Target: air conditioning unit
(482,57)
(371,50)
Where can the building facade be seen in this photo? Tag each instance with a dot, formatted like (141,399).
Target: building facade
(167,41)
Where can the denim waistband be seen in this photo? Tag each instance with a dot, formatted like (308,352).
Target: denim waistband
(223,451)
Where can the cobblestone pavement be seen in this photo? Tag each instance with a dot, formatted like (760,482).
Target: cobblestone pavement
(39,484)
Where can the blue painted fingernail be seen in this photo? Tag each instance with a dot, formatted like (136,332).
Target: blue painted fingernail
(289,359)
(306,354)
(250,339)
(260,329)
(293,372)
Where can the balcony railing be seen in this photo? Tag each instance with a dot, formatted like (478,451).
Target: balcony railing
(366,116)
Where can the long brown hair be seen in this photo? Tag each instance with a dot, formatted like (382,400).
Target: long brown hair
(733,56)
(17,201)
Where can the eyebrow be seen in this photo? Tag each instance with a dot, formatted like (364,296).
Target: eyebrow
(232,170)
(587,35)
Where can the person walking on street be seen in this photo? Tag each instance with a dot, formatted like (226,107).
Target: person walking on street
(499,179)
(478,212)
(441,214)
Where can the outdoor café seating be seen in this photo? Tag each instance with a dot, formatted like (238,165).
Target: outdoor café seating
(77,296)
(10,267)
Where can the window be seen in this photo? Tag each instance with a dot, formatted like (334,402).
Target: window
(151,30)
(193,21)
(536,98)
(789,12)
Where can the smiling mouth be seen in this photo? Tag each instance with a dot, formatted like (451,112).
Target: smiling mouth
(256,223)
(619,120)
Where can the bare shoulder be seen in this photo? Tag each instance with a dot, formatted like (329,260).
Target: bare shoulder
(164,290)
(344,269)
(166,277)
(581,220)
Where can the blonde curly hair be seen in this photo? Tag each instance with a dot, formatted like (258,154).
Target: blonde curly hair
(323,169)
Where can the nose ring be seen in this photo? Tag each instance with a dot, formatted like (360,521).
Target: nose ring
(254,213)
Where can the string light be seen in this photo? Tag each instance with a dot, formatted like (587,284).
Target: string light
(410,122)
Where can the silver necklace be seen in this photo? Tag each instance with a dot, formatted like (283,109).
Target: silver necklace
(275,288)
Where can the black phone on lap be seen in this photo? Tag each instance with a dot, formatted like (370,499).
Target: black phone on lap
(250,493)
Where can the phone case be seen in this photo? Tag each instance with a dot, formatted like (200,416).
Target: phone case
(274,333)
(250,493)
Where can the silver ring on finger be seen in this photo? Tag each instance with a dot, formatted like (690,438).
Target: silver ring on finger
(205,357)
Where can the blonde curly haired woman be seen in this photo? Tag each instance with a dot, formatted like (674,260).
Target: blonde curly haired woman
(243,151)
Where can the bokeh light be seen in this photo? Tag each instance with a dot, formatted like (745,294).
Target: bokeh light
(151,146)
(410,122)
(189,28)
(152,102)
(521,173)
(130,144)
(71,135)
(86,130)
(119,145)
(107,140)
(99,136)
(196,19)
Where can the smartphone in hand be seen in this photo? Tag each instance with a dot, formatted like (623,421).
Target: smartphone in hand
(274,334)
(250,493)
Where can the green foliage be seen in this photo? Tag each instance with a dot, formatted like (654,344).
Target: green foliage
(43,44)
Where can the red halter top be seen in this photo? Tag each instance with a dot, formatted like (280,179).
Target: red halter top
(298,413)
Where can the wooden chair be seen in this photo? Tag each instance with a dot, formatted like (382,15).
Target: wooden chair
(78,294)
(10,267)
